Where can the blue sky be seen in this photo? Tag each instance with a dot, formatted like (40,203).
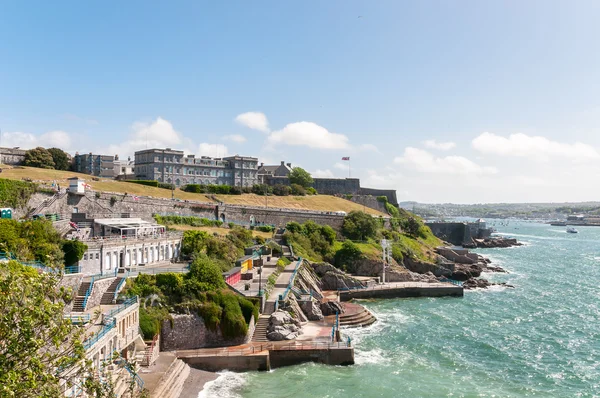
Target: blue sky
(445,101)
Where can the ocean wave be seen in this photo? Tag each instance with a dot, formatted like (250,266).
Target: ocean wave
(224,386)
(374,356)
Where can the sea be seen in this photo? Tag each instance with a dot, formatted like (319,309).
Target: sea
(538,339)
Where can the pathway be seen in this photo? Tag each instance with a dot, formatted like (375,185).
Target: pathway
(280,285)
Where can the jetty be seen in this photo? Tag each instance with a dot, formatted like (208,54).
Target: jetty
(403,290)
(267,356)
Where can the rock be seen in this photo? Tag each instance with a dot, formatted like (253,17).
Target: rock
(282,326)
(421,267)
(331,307)
(478,283)
(408,276)
(312,310)
(333,278)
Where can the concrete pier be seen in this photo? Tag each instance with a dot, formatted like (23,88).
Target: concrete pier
(403,289)
(267,356)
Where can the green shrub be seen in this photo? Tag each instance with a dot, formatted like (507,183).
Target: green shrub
(113,200)
(206,271)
(15,194)
(194,188)
(262,189)
(248,309)
(259,240)
(166,185)
(298,190)
(281,190)
(347,255)
(74,251)
(382,199)
(311,191)
(265,228)
(211,313)
(150,183)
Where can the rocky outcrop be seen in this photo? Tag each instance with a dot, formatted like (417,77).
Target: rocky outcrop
(332,307)
(407,276)
(333,278)
(421,267)
(283,327)
(482,284)
(311,309)
(492,242)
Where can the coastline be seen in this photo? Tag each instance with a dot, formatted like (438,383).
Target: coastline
(196,383)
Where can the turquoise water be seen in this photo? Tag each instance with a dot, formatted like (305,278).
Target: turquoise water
(540,339)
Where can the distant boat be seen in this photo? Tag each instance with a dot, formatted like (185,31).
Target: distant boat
(572,230)
(558,224)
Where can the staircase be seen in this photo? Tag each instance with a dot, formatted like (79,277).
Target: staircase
(357,317)
(171,384)
(79,299)
(260,330)
(46,203)
(109,296)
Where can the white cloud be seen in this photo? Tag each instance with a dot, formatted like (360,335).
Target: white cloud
(442,146)
(254,120)
(158,133)
(308,134)
(212,150)
(341,166)
(57,138)
(425,162)
(536,147)
(322,174)
(368,148)
(235,138)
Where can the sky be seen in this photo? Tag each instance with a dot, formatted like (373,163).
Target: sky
(444,101)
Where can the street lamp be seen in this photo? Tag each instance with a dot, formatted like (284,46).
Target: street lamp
(256,253)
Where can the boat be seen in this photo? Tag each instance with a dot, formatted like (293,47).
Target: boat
(558,224)
(572,230)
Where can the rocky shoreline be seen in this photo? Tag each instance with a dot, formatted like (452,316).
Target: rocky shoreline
(490,243)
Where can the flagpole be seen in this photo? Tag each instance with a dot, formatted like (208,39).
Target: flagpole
(348,168)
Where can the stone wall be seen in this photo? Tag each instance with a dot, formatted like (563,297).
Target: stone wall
(456,233)
(333,186)
(100,287)
(188,332)
(390,194)
(13,157)
(98,205)
(71,282)
(369,201)
(276,216)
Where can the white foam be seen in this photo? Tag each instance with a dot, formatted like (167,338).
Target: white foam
(374,356)
(224,386)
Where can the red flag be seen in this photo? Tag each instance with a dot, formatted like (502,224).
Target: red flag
(346,158)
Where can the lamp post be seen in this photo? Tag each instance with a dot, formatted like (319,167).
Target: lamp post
(256,253)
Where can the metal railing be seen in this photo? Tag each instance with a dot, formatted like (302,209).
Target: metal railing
(453,281)
(292,278)
(72,269)
(88,292)
(120,285)
(93,339)
(135,377)
(126,304)
(291,346)
(78,318)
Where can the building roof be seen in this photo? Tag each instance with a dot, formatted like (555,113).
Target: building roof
(232,271)
(268,169)
(126,223)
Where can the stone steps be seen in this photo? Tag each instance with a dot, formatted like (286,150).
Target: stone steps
(171,384)
(260,330)
(108,296)
(361,318)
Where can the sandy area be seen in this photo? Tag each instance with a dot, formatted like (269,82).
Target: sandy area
(195,382)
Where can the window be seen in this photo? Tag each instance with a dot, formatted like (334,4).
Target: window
(85,256)
(97,256)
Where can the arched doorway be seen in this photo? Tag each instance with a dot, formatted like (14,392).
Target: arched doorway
(252,220)
(222,217)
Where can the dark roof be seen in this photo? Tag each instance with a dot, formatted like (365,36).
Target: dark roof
(268,169)
(232,271)
(242,259)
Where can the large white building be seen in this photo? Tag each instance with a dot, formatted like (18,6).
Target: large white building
(173,167)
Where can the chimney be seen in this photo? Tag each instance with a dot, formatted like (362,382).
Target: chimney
(282,162)
(262,164)
(289,165)
(117,157)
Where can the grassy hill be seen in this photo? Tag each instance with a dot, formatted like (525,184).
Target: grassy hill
(318,202)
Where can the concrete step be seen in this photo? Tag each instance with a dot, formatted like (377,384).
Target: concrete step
(171,384)
(260,330)
(363,318)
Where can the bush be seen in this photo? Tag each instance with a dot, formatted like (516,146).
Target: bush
(235,191)
(360,226)
(281,190)
(150,183)
(259,240)
(301,177)
(194,188)
(166,185)
(74,251)
(293,227)
(207,273)
(39,157)
(382,199)
(311,191)
(347,255)
(265,228)
(113,200)
(262,189)
(15,194)
(298,190)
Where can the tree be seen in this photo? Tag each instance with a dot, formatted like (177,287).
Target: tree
(60,158)
(301,177)
(74,251)
(36,339)
(347,255)
(281,190)
(360,226)
(39,157)
(206,273)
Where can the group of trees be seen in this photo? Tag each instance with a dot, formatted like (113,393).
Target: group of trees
(38,240)
(51,158)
